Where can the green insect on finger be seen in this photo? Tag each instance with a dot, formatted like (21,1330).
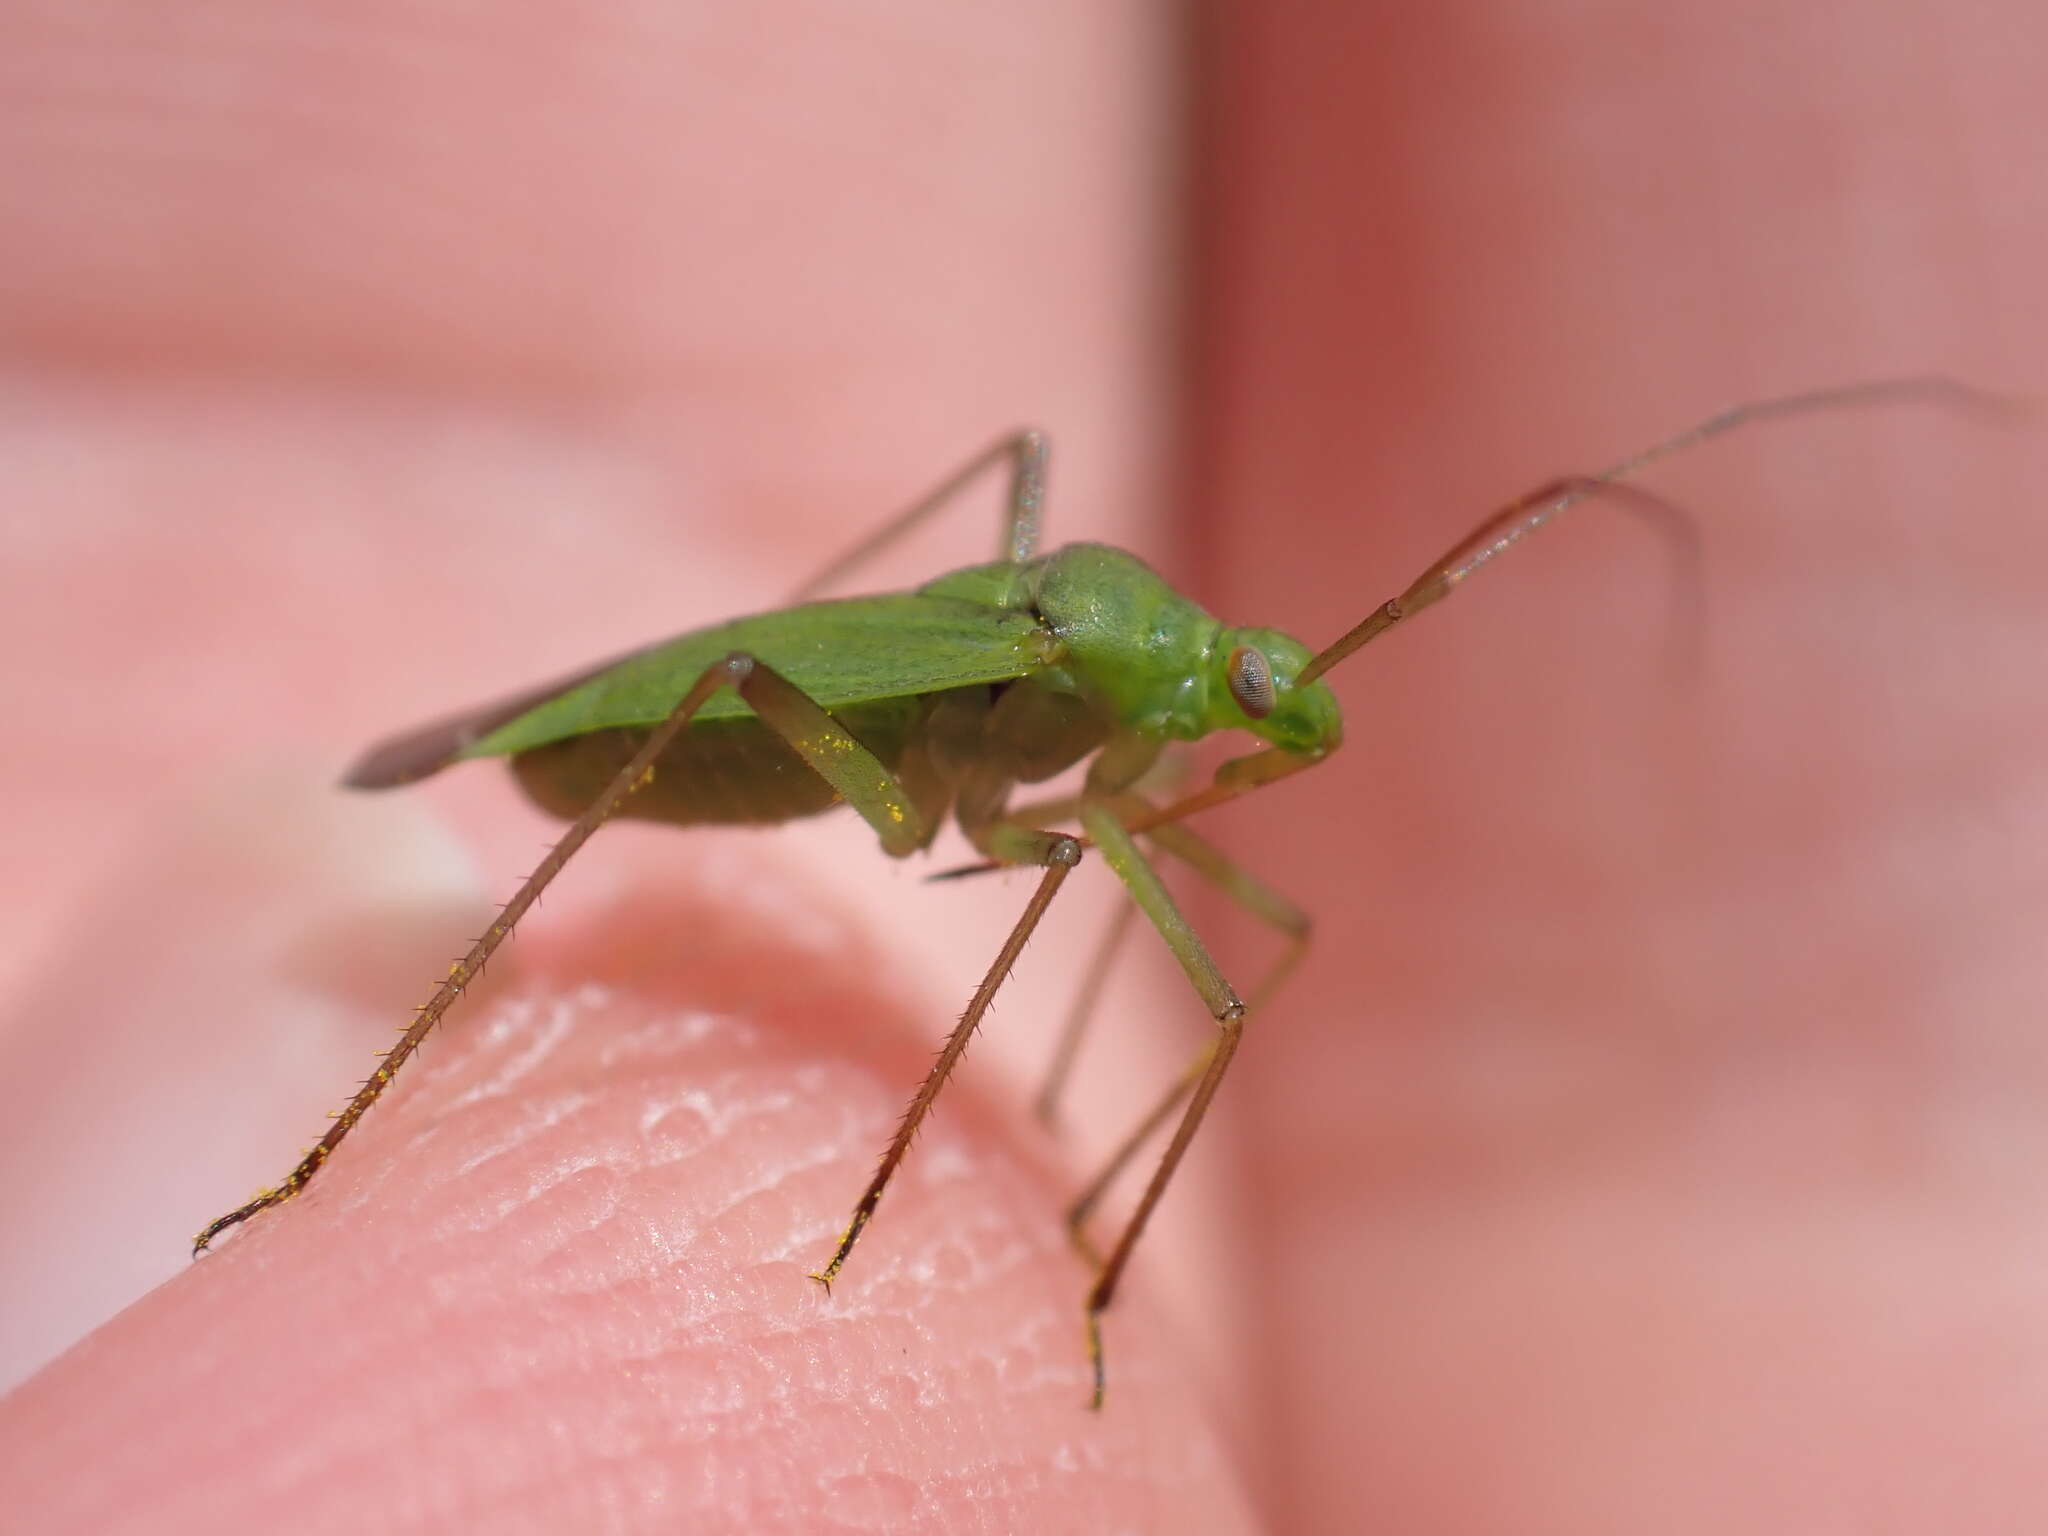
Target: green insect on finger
(918,708)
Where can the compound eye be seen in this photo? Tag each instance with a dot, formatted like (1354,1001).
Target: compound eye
(1251,682)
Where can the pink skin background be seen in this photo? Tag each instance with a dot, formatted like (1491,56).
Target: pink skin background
(1655,1139)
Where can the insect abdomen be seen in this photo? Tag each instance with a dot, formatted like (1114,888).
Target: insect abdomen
(723,772)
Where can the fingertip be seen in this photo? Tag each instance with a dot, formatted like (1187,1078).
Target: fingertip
(565,1263)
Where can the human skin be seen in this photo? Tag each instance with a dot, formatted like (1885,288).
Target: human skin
(1662,1149)
(1650,1144)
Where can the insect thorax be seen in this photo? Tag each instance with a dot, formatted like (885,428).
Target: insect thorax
(1136,648)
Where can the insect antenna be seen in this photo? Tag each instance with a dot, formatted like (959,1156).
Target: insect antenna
(1524,515)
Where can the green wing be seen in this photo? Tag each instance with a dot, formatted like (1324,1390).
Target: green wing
(839,653)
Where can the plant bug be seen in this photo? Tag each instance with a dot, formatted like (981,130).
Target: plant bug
(915,707)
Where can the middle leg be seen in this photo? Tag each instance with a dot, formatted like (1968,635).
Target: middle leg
(1251,895)
(1058,854)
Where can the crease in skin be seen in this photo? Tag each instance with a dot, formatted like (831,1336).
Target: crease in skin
(675,1029)
(558,1015)
(550,1023)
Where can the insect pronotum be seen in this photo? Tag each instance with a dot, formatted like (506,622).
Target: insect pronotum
(915,706)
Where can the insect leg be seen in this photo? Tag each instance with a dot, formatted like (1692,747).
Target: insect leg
(466,969)
(849,767)
(1261,901)
(1100,964)
(1243,888)
(1238,776)
(881,798)
(1059,854)
(1142,881)
(1026,452)
(1264,903)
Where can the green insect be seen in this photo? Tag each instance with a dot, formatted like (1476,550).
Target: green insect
(914,707)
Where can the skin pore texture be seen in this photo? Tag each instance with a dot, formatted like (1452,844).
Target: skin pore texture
(1653,1141)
